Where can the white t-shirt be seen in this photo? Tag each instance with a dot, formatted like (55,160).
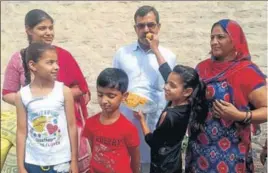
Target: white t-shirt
(144,77)
(47,141)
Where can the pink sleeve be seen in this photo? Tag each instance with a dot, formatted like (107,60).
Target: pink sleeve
(13,74)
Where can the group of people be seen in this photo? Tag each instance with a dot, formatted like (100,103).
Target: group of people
(216,103)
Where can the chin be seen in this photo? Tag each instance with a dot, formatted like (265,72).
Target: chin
(167,98)
(48,42)
(143,41)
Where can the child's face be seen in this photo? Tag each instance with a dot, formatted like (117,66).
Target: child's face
(110,99)
(174,89)
(47,66)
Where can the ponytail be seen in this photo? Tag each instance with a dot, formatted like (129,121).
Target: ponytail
(199,106)
(197,99)
(27,72)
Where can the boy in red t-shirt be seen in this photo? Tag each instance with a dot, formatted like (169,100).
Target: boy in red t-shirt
(114,140)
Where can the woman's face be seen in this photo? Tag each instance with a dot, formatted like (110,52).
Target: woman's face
(220,42)
(43,31)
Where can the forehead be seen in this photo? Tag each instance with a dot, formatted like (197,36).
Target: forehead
(175,78)
(106,90)
(149,17)
(46,22)
(218,30)
(49,54)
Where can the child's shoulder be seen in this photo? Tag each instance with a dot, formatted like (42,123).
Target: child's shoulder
(125,123)
(93,118)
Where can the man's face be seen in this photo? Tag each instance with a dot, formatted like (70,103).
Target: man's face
(145,25)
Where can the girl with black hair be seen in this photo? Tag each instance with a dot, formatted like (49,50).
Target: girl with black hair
(186,106)
(39,27)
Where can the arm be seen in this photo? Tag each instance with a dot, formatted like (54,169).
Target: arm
(116,63)
(254,88)
(12,79)
(76,92)
(21,132)
(77,81)
(9,98)
(132,142)
(153,139)
(69,110)
(258,98)
(154,42)
(135,159)
(263,154)
(164,67)
(165,70)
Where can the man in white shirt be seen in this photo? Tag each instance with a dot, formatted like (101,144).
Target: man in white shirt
(139,61)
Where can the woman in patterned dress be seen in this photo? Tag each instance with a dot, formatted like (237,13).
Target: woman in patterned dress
(234,83)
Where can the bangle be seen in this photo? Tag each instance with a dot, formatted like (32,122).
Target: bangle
(248,121)
(243,121)
(248,117)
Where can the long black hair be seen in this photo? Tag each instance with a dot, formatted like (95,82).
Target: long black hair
(197,100)
(32,18)
(34,52)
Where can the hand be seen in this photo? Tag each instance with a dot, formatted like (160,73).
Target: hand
(226,110)
(76,91)
(87,97)
(74,167)
(263,156)
(154,42)
(23,170)
(139,115)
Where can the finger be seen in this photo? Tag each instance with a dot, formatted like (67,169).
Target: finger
(224,103)
(149,41)
(217,106)
(215,113)
(262,158)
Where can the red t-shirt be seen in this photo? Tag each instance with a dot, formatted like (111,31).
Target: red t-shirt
(110,144)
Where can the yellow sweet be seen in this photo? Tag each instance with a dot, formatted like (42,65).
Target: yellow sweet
(133,100)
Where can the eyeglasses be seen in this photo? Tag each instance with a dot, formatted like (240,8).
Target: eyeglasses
(150,25)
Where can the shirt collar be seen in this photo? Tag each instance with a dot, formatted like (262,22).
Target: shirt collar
(136,47)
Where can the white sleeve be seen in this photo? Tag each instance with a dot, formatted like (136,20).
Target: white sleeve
(172,61)
(116,61)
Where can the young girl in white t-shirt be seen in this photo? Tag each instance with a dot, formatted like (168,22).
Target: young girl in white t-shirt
(46,130)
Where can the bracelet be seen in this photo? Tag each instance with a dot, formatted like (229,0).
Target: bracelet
(243,121)
(248,120)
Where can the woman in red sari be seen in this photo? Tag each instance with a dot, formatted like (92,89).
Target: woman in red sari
(234,85)
(39,27)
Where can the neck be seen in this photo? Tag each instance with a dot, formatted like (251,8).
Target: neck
(144,47)
(229,57)
(179,102)
(109,117)
(40,83)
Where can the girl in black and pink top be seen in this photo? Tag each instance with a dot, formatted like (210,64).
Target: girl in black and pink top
(186,96)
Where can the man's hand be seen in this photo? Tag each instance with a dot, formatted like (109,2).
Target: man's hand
(154,43)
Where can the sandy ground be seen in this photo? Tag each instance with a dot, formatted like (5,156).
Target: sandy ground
(93,31)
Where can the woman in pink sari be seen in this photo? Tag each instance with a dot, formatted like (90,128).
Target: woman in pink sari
(39,27)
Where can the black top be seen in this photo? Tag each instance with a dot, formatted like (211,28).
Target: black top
(165,141)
